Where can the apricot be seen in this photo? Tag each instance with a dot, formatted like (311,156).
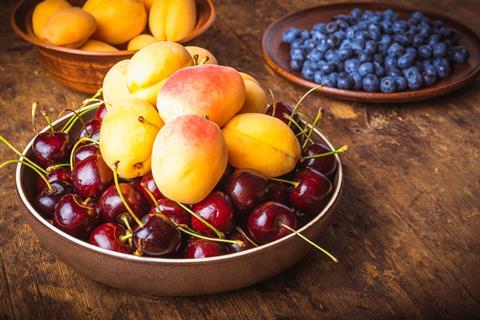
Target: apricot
(202,55)
(127,135)
(207,90)
(261,142)
(118,20)
(98,46)
(255,97)
(148,4)
(43,11)
(150,67)
(70,27)
(189,158)
(115,84)
(172,20)
(140,42)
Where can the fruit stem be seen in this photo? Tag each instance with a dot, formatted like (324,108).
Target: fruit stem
(80,112)
(303,97)
(274,104)
(245,236)
(184,229)
(45,115)
(195,59)
(315,121)
(319,155)
(75,146)
(86,201)
(204,60)
(56,166)
(293,183)
(331,256)
(2,139)
(34,111)
(126,237)
(141,119)
(217,232)
(117,186)
(44,178)
(124,218)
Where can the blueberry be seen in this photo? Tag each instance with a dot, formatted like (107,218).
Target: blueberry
(389,14)
(429,80)
(318,77)
(315,55)
(375,35)
(320,27)
(394,73)
(386,39)
(429,68)
(434,38)
(391,63)
(297,56)
(405,61)
(387,84)
(296,64)
(396,50)
(370,83)
(361,35)
(322,45)
(424,29)
(357,81)
(310,44)
(379,70)
(444,31)
(332,26)
(307,72)
(460,54)
(378,58)
(403,39)
(317,35)
(356,13)
(364,57)
(344,82)
(330,55)
(304,35)
(439,50)
(365,68)
(418,16)
(371,47)
(425,52)
(414,78)
(296,43)
(411,51)
(330,80)
(290,34)
(344,53)
(327,68)
(333,41)
(351,65)
(386,26)
(350,33)
(442,66)
(418,40)
(358,45)
(399,26)
(400,83)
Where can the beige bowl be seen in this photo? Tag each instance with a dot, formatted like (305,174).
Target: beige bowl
(174,277)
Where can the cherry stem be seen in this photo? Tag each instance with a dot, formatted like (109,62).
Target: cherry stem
(76,115)
(303,97)
(44,178)
(124,218)
(314,124)
(34,111)
(45,115)
(293,183)
(217,232)
(319,155)
(141,119)
(86,201)
(245,236)
(119,191)
(56,166)
(331,256)
(22,157)
(75,146)
(204,60)
(80,112)
(186,230)
(195,59)
(150,194)
(274,105)
(126,237)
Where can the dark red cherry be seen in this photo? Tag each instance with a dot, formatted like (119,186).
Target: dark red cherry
(216,209)
(265,222)
(312,189)
(224,179)
(283,111)
(110,205)
(325,165)
(233,247)
(147,182)
(158,236)
(107,236)
(91,130)
(46,200)
(85,151)
(246,188)
(101,112)
(75,217)
(59,174)
(278,192)
(172,210)
(50,148)
(200,248)
(91,176)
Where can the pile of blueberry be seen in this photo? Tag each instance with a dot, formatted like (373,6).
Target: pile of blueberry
(375,51)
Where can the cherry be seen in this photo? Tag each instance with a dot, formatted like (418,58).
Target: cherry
(75,217)
(246,189)
(172,210)
(50,148)
(156,236)
(266,221)
(91,130)
(217,210)
(47,199)
(147,182)
(91,176)
(58,174)
(312,189)
(101,112)
(325,165)
(110,205)
(283,112)
(108,236)
(237,235)
(224,179)
(85,151)
(278,192)
(200,248)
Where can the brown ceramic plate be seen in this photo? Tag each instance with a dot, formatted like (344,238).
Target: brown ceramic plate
(84,70)
(174,277)
(276,53)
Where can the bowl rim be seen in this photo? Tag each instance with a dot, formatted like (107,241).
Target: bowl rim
(120,53)
(338,185)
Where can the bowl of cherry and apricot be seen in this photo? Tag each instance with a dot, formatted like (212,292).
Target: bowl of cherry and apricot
(125,233)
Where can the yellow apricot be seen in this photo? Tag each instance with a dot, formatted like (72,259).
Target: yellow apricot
(255,97)
(140,42)
(43,11)
(118,20)
(172,20)
(189,158)
(202,55)
(97,46)
(150,67)
(115,84)
(260,142)
(148,4)
(70,27)
(127,135)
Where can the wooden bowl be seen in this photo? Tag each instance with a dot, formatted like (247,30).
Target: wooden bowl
(84,70)
(174,277)
(277,54)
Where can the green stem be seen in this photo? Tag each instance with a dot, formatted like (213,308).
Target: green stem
(317,118)
(217,232)
(124,219)
(34,111)
(339,150)
(303,97)
(150,194)
(126,237)
(293,183)
(198,235)
(245,236)
(75,146)
(119,191)
(47,118)
(2,139)
(6,163)
(80,112)
(55,167)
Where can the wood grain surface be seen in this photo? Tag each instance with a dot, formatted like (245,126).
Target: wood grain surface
(407,229)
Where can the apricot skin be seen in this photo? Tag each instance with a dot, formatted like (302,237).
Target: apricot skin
(261,142)
(140,42)
(255,97)
(172,20)
(202,54)
(97,46)
(114,84)
(43,11)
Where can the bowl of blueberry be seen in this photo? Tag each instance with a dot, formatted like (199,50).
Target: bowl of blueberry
(125,233)
(373,52)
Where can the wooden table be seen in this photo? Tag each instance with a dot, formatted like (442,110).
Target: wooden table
(407,228)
